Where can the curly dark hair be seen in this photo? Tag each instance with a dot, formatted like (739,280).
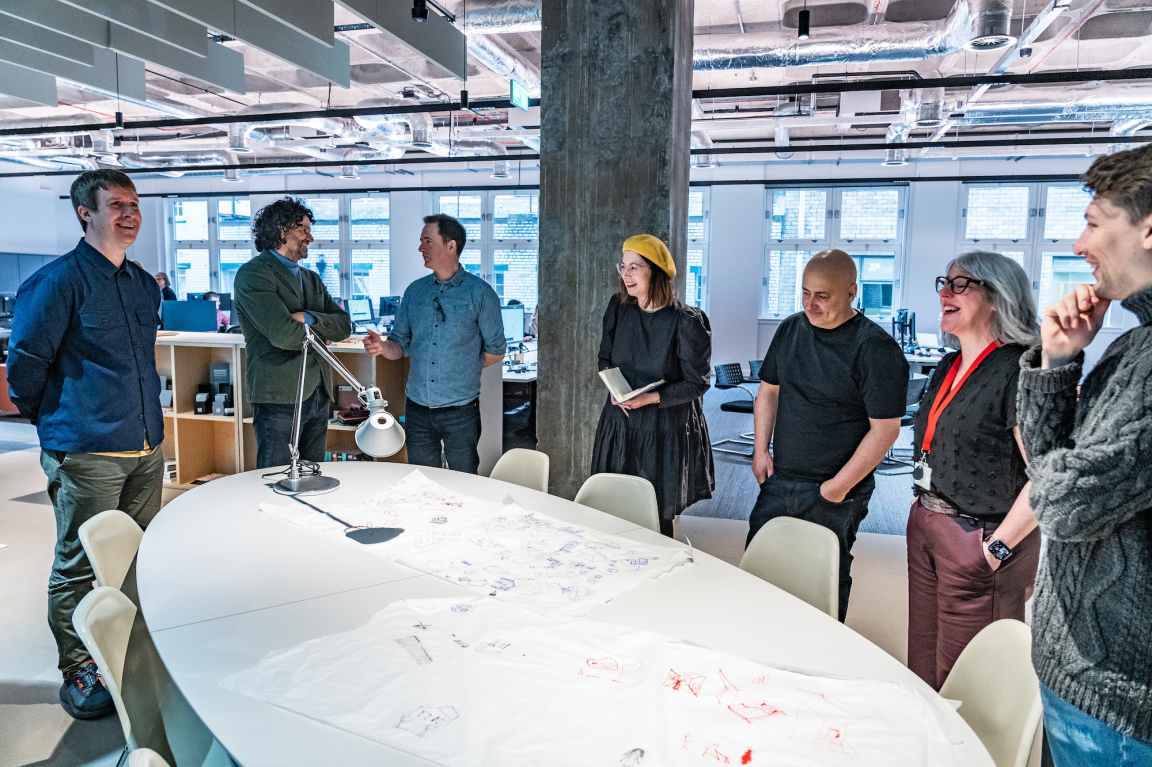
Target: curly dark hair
(271,224)
(1125,180)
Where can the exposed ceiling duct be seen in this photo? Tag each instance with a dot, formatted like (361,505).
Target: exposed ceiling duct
(1091,102)
(780,138)
(503,60)
(701,140)
(495,17)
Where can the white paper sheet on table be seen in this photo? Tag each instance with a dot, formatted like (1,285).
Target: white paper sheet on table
(479,682)
(516,555)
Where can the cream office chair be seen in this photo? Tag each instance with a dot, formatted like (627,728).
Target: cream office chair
(800,557)
(527,468)
(146,757)
(103,619)
(110,539)
(624,496)
(998,691)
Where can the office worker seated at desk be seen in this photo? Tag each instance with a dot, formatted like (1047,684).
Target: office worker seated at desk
(166,291)
(650,335)
(275,297)
(833,388)
(222,319)
(449,323)
(82,368)
(973,545)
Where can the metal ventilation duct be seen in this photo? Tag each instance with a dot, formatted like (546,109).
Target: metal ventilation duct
(701,140)
(991,21)
(177,160)
(393,125)
(1091,102)
(495,17)
(930,110)
(780,138)
(502,59)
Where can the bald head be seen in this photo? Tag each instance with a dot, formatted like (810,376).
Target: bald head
(829,288)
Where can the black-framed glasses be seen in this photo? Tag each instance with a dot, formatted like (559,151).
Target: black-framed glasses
(958,285)
(439,309)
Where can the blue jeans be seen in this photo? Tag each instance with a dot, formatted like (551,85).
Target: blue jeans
(1079,740)
(272,423)
(457,427)
(781,497)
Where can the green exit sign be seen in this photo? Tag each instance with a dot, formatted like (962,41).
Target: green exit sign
(518,95)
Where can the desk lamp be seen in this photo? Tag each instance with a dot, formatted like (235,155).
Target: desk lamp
(379,436)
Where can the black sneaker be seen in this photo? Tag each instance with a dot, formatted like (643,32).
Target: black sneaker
(83,695)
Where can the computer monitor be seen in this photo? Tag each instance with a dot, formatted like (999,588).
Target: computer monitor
(513,317)
(389,305)
(225,299)
(359,309)
(7,303)
(189,316)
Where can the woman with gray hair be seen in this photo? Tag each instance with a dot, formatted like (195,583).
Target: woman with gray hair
(973,544)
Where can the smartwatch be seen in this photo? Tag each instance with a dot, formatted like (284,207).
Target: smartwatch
(999,550)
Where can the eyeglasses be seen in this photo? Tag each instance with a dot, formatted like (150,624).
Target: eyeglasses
(439,309)
(958,285)
(630,270)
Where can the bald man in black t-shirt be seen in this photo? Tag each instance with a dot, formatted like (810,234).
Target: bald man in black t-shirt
(833,389)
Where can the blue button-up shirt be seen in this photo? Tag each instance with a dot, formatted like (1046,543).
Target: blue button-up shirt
(82,356)
(448,351)
(294,267)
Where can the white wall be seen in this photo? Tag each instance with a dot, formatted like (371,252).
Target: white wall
(407,211)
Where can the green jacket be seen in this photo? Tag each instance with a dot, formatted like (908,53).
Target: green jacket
(266,295)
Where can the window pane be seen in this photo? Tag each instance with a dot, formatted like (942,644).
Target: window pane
(515,217)
(1059,275)
(515,271)
(369,218)
(466,209)
(870,214)
(694,281)
(798,214)
(370,276)
(327,223)
(231,259)
(326,263)
(696,215)
(780,292)
(471,261)
(997,213)
(1064,212)
(874,274)
(1015,255)
(191,271)
(234,219)
(190,220)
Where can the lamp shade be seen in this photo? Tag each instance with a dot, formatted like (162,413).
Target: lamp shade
(381,435)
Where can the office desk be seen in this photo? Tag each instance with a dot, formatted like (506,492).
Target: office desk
(921,364)
(221,585)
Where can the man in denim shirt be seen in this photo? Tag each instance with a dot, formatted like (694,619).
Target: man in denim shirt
(82,367)
(449,323)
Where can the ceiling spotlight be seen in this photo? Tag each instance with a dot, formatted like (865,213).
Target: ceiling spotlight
(420,10)
(348,172)
(1025,52)
(804,24)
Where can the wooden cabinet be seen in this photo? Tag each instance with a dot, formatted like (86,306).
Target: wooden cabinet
(226,444)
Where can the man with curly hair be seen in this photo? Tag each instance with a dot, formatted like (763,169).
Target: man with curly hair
(275,298)
(1090,446)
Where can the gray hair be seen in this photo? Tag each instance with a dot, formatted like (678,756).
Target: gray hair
(1014,321)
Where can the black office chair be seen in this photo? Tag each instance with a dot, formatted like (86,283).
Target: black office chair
(917,385)
(730,376)
(753,371)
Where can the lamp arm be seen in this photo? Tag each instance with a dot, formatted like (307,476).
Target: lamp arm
(321,350)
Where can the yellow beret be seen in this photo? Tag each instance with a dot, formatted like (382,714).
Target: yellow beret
(653,249)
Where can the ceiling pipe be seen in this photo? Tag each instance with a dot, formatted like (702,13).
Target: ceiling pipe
(1125,128)
(504,61)
(176,160)
(499,17)
(701,140)
(780,138)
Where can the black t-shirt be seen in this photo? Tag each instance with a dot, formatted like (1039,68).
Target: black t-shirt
(831,382)
(976,463)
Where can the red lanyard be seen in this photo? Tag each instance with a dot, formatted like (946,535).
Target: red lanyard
(946,392)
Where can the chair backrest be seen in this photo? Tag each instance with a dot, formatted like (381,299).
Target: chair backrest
(146,757)
(110,539)
(800,557)
(917,384)
(998,690)
(729,376)
(754,368)
(527,468)
(103,619)
(624,496)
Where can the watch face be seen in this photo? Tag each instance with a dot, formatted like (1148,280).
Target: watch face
(999,550)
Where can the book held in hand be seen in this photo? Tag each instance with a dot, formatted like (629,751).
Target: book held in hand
(618,385)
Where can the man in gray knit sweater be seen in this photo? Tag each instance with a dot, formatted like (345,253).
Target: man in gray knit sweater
(1091,471)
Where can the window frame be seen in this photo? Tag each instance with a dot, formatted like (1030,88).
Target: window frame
(702,244)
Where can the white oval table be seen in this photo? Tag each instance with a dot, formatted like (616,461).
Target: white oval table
(221,585)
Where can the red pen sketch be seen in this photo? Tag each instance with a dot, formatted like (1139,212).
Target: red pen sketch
(608,668)
(750,712)
(747,757)
(691,683)
(714,752)
(812,727)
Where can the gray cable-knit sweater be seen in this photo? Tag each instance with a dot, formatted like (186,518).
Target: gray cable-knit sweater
(1091,471)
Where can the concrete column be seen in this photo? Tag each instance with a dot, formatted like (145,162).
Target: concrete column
(615,131)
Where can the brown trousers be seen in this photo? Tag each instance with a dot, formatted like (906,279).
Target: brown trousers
(953,593)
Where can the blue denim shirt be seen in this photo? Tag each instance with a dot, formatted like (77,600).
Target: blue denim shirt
(82,356)
(448,354)
(294,267)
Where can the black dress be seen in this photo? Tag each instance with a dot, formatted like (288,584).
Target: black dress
(667,444)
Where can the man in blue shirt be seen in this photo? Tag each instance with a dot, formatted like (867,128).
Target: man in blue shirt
(82,368)
(449,324)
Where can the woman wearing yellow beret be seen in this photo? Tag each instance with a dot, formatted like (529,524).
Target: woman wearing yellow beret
(650,335)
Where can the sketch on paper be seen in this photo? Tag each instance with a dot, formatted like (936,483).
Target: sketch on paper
(531,688)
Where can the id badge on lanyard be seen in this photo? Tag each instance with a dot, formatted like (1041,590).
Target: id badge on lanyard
(922,472)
